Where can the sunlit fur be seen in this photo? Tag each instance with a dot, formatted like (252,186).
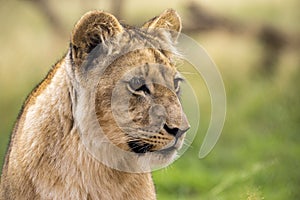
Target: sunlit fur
(47,158)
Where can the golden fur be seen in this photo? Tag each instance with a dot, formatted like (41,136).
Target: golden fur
(50,156)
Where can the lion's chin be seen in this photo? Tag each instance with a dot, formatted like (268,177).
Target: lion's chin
(157,159)
(164,157)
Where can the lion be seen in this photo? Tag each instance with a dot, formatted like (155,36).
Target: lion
(105,115)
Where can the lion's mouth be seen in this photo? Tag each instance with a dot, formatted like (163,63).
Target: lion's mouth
(167,151)
(140,147)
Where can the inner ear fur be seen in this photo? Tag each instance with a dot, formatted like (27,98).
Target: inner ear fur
(92,29)
(169,20)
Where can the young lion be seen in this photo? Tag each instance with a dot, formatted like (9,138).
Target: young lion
(105,115)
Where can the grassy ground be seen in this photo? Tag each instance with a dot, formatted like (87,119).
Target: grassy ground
(257,156)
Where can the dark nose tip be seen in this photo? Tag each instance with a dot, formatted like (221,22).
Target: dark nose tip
(175,131)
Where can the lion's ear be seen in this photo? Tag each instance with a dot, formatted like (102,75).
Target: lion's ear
(169,20)
(92,29)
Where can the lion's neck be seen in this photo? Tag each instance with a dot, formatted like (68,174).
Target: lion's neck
(57,163)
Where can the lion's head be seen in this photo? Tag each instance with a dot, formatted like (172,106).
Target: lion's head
(126,87)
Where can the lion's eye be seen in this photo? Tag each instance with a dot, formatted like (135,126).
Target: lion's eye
(137,84)
(177,83)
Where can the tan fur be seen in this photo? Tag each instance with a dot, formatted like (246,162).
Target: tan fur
(47,158)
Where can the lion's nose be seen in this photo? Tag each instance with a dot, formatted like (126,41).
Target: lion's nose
(176,132)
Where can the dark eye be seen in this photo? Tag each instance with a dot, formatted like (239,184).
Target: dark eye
(137,84)
(177,83)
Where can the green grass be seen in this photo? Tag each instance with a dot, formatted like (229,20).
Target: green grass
(257,156)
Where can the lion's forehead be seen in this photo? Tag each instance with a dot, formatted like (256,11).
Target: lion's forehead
(138,40)
(153,73)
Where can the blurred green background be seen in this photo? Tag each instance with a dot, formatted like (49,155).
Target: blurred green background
(254,43)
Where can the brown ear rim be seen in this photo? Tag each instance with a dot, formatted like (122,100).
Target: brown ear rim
(92,18)
(92,28)
(169,19)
